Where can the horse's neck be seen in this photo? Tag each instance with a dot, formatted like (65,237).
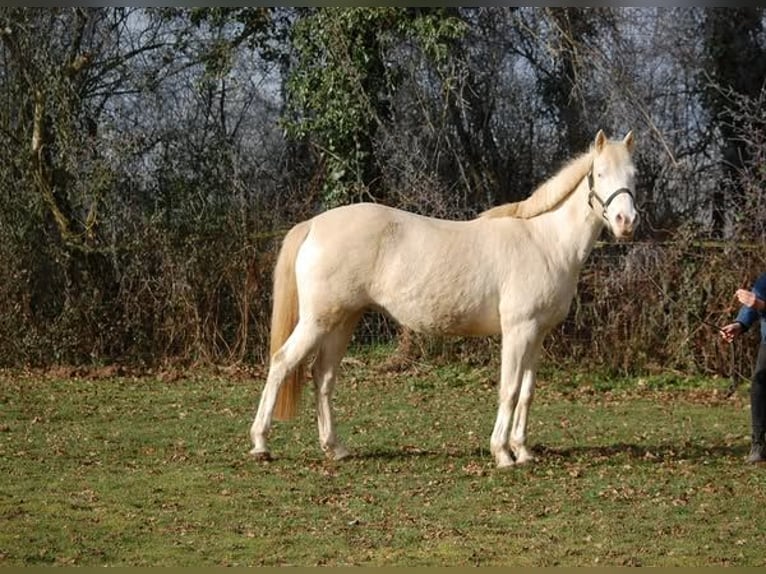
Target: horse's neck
(573,227)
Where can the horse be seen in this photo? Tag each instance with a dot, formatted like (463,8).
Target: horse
(512,270)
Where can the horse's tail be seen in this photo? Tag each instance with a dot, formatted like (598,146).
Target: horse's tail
(284,318)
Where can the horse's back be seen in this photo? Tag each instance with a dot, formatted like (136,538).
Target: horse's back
(364,231)
(353,244)
(425,272)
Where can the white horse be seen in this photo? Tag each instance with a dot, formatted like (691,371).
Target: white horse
(513,270)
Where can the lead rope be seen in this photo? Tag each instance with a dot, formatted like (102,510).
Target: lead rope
(735,377)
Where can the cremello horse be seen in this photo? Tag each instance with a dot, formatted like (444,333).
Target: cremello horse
(513,271)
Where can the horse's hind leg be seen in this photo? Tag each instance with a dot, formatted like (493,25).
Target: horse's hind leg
(303,340)
(325,371)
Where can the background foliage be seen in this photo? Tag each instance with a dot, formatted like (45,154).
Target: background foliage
(153,158)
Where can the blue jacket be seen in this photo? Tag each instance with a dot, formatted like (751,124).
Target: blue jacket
(747,315)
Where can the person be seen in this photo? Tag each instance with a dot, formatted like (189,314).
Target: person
(753,308)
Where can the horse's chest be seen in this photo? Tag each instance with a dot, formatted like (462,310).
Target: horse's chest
(545,299)
(558,304)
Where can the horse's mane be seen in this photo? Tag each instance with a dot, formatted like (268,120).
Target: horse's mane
(548,194)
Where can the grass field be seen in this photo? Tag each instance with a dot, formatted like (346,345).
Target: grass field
(152,471)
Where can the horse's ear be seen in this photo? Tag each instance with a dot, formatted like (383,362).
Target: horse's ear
(629,141)
(600,140)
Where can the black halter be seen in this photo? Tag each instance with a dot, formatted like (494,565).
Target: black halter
(604,204)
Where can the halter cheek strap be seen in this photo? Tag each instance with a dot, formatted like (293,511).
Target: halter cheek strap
(604,204)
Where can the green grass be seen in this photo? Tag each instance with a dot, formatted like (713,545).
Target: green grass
(140,471)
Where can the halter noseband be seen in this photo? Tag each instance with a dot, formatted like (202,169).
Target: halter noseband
(604,204)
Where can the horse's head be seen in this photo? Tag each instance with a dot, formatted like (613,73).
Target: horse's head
(612,181)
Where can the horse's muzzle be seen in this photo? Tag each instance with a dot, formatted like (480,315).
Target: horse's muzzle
(624,225)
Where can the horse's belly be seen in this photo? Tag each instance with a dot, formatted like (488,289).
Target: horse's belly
(442,318)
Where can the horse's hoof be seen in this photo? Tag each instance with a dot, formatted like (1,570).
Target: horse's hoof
(522,455)
(261,455)
(504,460)
(338,453)
(341,454)
(525,459)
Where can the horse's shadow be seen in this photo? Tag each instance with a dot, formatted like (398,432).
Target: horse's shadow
(648,453)
(662,452)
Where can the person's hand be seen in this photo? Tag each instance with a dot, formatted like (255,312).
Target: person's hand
(749,299)
(731,331)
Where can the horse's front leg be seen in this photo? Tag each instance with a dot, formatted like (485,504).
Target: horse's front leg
(518,439)
(514,345)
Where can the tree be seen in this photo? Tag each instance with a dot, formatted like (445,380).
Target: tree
(734,66)
(343,80)
(121,144)
(57,92)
